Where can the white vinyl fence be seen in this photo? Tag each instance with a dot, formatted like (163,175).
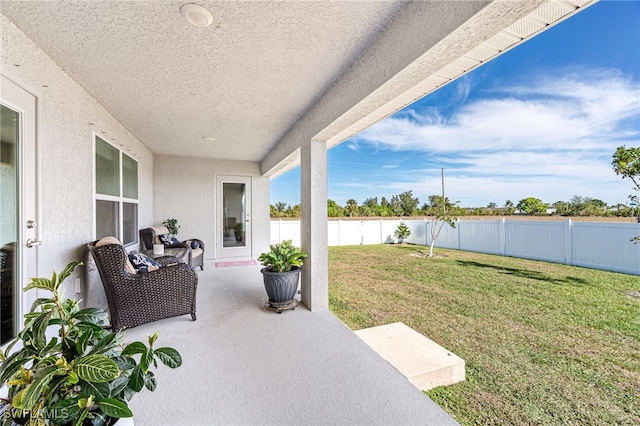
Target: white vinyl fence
(598,245)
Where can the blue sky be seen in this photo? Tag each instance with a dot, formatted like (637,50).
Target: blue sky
(541,120)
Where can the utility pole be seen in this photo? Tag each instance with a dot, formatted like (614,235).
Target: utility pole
(444,203)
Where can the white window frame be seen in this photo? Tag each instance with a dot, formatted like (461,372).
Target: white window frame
(120,199)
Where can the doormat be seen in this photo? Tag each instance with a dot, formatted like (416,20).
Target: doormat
(235,263)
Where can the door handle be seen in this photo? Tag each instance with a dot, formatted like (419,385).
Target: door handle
(32,243)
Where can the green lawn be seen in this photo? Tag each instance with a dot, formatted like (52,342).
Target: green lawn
(543,343)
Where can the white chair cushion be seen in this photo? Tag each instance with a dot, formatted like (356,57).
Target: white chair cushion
(108,240)
(113,240)
(159,230)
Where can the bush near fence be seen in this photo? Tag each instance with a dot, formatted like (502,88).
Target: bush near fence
(598,245)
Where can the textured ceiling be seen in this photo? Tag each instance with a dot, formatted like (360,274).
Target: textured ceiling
(245,80)
(249,78)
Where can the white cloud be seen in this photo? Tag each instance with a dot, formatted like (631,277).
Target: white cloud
(552,138)
(565,113)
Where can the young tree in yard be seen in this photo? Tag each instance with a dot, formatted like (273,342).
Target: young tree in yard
(626,162)
(435,201)
(402,232)
(441,207)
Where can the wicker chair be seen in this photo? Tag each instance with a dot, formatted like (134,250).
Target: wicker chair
(149,237)
(136,299)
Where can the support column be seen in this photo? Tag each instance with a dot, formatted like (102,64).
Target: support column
(313,229)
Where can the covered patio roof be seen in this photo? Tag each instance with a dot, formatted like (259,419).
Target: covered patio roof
(267,75)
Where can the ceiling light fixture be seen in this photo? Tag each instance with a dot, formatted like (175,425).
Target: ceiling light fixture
(196,15)
(209,138)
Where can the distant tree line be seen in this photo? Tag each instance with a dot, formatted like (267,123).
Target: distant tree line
(626,163)
(406,205)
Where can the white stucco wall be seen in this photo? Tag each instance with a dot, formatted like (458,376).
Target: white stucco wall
(185,189)
(67,120)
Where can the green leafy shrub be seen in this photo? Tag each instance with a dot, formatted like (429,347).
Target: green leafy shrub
(172,225)
(82,375)
(402,232)
(282,257)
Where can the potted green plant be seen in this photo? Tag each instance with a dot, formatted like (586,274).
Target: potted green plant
(281,273)
(172,225)
(84,375)
(238,232)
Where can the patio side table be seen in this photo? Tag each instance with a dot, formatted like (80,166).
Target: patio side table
(181,253)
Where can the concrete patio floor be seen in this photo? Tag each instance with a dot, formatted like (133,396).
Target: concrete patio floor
(244,365)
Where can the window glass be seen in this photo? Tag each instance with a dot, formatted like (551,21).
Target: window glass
(129,177)
(129,223)
(107,168)
(107,219)
(235,214)
(116,208)
(9,197)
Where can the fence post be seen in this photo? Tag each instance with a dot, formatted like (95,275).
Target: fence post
(503,236)
(458,230)
(361,233)
(279,230)
(567,243)
(426,231)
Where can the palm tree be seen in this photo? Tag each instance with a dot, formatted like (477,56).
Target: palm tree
(351,207)
(278,209)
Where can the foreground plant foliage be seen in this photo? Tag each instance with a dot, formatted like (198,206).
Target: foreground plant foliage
(282,257)
(543,343)
(84,374)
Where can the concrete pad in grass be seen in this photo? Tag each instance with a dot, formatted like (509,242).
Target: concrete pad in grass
(425,363)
